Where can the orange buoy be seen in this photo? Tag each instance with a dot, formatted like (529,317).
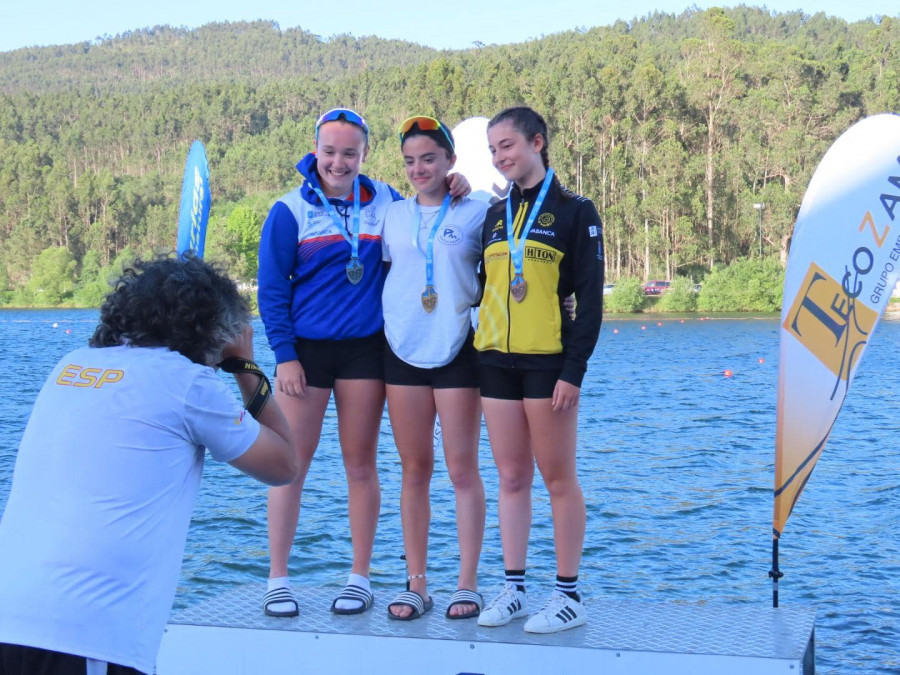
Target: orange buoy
(728,373)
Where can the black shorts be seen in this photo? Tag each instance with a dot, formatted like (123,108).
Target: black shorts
(460,373)
(325,361)
(514,384)
(19,660)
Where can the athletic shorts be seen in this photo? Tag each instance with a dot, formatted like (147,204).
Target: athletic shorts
(325,361)
(460,373)
(19,660)
(514,384)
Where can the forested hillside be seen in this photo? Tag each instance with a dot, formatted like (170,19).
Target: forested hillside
(674,125)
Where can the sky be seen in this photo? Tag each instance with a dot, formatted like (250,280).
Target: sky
(443,25)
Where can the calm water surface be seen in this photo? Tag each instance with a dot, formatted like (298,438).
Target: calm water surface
(677,466)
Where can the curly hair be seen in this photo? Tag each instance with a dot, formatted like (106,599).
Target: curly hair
(187,305)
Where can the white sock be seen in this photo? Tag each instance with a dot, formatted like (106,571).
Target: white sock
(354,580)
(280,582)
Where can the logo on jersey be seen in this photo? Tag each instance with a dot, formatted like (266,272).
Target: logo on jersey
(592,230)
(540,254)
(78,376)
(320,232)
(546,220)
(450,235)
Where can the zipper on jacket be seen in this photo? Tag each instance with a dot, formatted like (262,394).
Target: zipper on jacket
(523,208)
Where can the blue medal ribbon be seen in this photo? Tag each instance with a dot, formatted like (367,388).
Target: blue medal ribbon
(517,253)
(429,247)
(339,224)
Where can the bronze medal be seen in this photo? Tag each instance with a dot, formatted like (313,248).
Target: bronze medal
(518,287)
(354,271)
(429,299)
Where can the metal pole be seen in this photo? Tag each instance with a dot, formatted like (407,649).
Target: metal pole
(775,574)
(760,233)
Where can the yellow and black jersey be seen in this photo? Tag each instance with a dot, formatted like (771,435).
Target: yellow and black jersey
(563,255)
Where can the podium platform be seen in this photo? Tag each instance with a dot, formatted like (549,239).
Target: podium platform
(230,635)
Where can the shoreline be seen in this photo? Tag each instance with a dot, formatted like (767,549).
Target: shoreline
(892,311)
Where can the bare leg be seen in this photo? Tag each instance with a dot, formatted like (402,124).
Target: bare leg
(554,439)
(412,412)
(304,415)
(511,446)
(360,404)
(460,415)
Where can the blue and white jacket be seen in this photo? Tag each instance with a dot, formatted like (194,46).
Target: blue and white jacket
(303,287)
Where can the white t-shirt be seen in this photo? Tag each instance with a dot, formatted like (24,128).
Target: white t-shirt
(94,530)
(421,339)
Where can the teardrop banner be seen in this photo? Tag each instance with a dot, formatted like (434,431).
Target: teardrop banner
(843,264)
(193,214)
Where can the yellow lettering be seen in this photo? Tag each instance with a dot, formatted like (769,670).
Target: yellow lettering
(67,373)
(88,377)
(110,376)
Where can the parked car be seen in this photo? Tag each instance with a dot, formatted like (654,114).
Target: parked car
(608,288)
(656,287)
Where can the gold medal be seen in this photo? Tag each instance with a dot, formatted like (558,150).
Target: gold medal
(429,299)
(518,288)
(354,271)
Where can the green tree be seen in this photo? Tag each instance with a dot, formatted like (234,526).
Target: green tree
(681,297)
(92,285)
(748,285)
(627,296)
(52,279)
(712,72)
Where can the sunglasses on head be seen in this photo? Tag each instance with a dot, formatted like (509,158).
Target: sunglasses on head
(424,124)
(345,115)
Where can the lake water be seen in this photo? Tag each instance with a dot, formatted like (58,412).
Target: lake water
(677,466)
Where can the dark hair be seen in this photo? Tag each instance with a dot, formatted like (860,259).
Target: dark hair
(529,123)
(186,305)
(443,138)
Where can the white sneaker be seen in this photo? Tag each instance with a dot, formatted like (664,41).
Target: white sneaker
(510,604)
(559,613)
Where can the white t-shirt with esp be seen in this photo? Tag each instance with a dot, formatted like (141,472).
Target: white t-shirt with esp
(93,533)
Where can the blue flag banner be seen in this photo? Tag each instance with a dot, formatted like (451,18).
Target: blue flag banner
(195,198)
